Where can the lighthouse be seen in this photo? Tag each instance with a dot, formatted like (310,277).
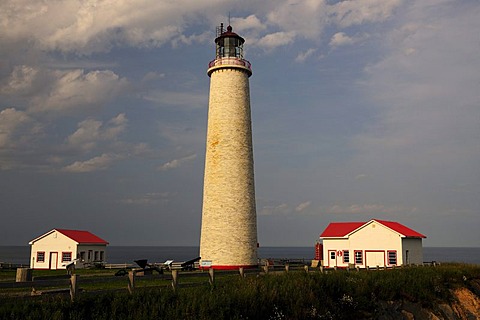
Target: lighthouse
(228,237)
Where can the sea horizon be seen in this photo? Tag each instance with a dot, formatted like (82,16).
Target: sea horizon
(18,254)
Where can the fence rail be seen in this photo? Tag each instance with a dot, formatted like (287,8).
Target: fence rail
(118,265)
(6,265)
(60,284)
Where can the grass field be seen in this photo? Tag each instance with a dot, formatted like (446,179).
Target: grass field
(295,295)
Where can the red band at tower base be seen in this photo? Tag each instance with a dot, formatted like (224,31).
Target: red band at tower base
(235,267)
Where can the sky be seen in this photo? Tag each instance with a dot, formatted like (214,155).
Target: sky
(360,109)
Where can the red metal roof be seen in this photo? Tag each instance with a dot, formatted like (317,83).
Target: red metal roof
(82,237)
(400,228)
(342,229)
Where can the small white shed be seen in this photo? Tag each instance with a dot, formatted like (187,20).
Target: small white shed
(59,247)
(373,243)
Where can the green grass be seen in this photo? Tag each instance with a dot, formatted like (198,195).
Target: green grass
(296,295)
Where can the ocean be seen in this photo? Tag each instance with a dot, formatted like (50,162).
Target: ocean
(127,254)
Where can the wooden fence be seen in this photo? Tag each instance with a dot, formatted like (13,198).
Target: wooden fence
(64,284)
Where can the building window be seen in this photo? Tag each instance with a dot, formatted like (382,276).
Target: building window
(40,256)
(392,257)
(89,255)
(96,256)
(82,255)
(101,255)
(332,255)
(358,257)
(346,256)
(66,256)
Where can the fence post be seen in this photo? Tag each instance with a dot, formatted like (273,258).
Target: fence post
(242,273)
(211,276)
(321,269)
(23,275)
(174,279)
(73,287)
(131,281)
(265,268)
(306,269)
(287,268)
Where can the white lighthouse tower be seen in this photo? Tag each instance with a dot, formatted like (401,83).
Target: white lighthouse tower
(229,222)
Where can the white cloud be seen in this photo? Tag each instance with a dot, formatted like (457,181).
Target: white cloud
(94,164)
(152,76)
(86,27)
(21,80)
(340,39)
(302,206)
(281,209)
(115,126)
(303,56)
(176,163)
(178,98)
(191,39)
(90,132)
(373,210)
(425,135)
(305,19)
(17,128)
(360,176)
(248,23)
(153,198)
(273,40)
(427,100)
(75,91)
(355,12)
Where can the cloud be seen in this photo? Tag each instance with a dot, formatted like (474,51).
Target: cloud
(273,40)
(94,164)
(360,176)
(303,56)
(20,81)
(248,23)
(176,163)
(176,98)
(149,199)
(90,132)
(84,28)
(302,206)
(352,12)
(152,76)
(281,209)
(75,91)
(13,125)
(19,135)
(305,19)
(426,100)
(367,209)
(189,40)
(340,39)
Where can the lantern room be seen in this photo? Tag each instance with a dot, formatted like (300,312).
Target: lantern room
(228,43)
(229,52)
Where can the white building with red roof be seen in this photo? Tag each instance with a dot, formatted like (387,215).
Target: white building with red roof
(370,244)
(60,247)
